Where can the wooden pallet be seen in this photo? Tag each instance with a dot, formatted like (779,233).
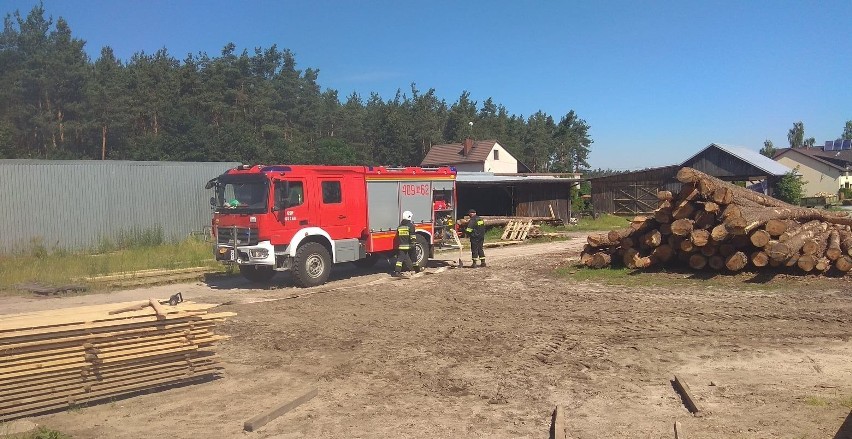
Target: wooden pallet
(516,230)
(56,359)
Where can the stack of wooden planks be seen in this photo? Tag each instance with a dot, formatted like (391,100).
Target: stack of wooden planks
(63,358)
(714,224)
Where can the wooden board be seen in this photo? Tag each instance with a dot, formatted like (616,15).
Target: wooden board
(62,317)
(83,377)
(84,328)
(262,419)
(51,340)
(559,423)
(69,400)
(51,359)
(49,391)
(688,400)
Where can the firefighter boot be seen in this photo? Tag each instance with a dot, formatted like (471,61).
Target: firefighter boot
(482,263)
(473,264)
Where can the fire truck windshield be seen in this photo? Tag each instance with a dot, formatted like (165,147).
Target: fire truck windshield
(241,194)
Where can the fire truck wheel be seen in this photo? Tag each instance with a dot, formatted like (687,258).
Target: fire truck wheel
(422,251)
(257,273)
(312,265)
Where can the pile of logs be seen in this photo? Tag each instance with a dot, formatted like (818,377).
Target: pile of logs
(57,359)
(714,224)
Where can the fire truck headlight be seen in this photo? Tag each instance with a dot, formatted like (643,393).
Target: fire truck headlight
(259,253)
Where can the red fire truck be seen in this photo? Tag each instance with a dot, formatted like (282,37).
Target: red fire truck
(305,218)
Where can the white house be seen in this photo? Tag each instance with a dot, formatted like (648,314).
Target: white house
(474,156)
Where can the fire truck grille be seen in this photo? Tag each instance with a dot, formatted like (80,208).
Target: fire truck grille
(245,236)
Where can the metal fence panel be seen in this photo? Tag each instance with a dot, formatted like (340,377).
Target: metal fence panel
(74,204)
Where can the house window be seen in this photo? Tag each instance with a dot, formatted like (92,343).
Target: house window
(496,154)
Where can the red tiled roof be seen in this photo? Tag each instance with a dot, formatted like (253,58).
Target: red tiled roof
(452,153)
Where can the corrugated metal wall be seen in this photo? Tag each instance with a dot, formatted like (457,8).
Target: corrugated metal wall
(74,204)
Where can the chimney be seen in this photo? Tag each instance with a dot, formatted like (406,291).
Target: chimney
(467,146)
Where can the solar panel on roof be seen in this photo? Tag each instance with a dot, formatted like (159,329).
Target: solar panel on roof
(847,144)
(829,146)
(837,144)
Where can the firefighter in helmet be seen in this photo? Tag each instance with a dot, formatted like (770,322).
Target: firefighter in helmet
(475,230)
(406,251)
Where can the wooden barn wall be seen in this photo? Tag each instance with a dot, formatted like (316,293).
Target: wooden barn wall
(538,199)
(526,199)
(608,193)
(720,164)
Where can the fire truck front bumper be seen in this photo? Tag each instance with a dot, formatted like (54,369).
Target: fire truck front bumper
(263,253)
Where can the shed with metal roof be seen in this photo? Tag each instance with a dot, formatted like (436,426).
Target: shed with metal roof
(633,193)
(528,195)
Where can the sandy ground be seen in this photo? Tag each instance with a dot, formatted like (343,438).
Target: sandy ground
(490,353)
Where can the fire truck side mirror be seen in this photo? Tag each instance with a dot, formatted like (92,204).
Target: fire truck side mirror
(213,201)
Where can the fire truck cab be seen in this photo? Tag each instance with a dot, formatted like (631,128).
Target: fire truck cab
(305,218)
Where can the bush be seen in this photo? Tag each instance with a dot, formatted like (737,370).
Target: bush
(790,187)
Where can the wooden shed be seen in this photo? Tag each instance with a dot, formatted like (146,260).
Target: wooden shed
(632,193)
(530,195)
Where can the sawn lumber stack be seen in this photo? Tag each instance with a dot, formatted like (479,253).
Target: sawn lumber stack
(714,224)
(63,358)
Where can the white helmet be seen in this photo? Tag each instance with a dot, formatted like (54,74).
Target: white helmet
(407,215)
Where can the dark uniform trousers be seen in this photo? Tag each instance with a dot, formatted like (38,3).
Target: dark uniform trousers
(476,251)
(476,231)
(406,251)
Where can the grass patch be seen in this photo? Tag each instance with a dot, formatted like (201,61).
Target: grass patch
(494,234)
(60,267)
(46,433)
(132,238)
(669,277)
(40,433)
(603,222)
(816,401)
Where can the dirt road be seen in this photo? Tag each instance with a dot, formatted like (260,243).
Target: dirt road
(490,353)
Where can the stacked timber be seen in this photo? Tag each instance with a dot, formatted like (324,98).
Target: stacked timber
(57,359)
(717,225)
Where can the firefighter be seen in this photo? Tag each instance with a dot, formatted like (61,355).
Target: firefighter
(406,251)
(475,230)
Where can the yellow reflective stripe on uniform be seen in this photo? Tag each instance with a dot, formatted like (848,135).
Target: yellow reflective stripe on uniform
(480,223)
(468,230)
(404,237)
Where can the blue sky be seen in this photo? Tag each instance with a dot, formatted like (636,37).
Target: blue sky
(656,80)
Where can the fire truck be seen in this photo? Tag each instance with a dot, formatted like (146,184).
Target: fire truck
(305,218)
